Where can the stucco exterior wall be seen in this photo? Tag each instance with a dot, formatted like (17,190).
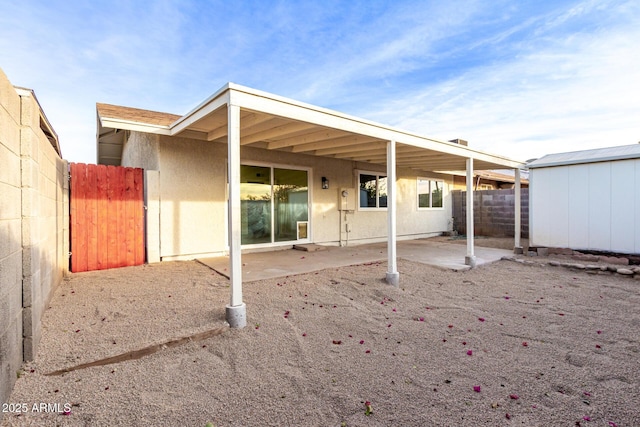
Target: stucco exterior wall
(34,221)
(141,150)
(192,188)
(592,206)
(192,198)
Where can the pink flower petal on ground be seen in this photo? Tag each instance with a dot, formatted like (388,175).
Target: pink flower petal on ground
(337,342)
(450,326)
(469,352)
(368,351)
(481,319)
(507,416)
(525,344)
(586,393)
(304,334)
(476,388)
(464,343)
(586,418)
(394,310)
(444,340)
(421,319)
(514,397)
(361,341)
(507,297)
(350,336)
(612,424)
(389,325)
(598,332)
(598,346)
(560,314)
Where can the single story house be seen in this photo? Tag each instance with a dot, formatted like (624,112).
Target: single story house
(249,170)
(587,200)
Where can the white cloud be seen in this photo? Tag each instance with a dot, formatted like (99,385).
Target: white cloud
(577,92)
(519,79)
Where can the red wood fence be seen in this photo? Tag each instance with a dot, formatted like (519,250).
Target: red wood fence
(107,217)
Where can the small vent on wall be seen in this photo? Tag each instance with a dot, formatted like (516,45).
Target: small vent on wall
(460,142)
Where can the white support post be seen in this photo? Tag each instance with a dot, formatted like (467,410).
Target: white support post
(470,259)
(517,246)
(393,277)
(236,311)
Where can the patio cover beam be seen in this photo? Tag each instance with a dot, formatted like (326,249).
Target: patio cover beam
(517,247)
(236,311)
(470,259)
(393,277)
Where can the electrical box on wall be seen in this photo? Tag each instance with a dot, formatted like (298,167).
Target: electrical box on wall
(347,198)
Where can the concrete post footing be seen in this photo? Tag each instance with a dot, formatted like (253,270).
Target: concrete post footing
(518,250)
(470,261)
(236,316)
(393,279)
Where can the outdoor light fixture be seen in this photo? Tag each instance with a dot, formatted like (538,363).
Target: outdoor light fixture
(325,183)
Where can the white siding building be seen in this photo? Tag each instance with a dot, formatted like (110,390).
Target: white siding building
(587,200)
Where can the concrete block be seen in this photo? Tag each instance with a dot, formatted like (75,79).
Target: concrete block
(10,199)
(9,132)
(9,99)
(29,289)
(561,251)
(10,273)
(28,324)
(543,251)
(10,237)
(29,348)
(29,112)
(30,261)
(29,172)
(10,305)
(10,358)
(29,146)
(29,202)
(10,167)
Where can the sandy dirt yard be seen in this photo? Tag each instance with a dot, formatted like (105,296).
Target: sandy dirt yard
(504,344)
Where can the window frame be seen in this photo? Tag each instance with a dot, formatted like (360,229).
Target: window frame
(378,176)
(430,207)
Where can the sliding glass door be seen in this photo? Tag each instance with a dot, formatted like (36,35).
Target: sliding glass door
(275,204)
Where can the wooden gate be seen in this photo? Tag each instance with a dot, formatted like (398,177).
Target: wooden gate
(107,217)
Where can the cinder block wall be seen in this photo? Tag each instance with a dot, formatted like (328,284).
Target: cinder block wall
(493,212)
(33,228)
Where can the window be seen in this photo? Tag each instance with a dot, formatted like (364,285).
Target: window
(373,190)
(430,193)
(274,204)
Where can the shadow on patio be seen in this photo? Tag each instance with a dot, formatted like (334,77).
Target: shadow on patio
(280,263)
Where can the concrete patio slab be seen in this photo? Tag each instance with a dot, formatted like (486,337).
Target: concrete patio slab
(273,264)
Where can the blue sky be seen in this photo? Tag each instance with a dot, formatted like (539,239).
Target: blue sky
(517,78)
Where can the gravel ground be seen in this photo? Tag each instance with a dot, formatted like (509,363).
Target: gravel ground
(503,344)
